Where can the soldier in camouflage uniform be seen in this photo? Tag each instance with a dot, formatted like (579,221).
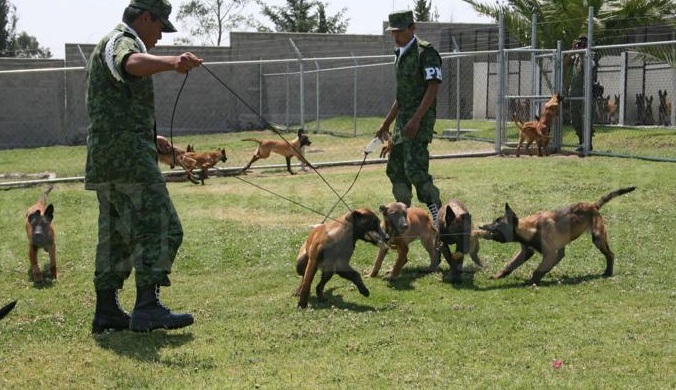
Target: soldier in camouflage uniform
(138,224)
(576,64)
(418,72)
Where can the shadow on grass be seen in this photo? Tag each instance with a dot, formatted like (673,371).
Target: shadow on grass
(411,274)
(332,301)
(143,346)
(566,280)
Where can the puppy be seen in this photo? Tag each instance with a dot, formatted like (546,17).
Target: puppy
(41,234)
(169,154)
(455,228)
(284,148)
(549,232)
(329,248)
(404,225)
(538,130)
(202,161)
(387,147)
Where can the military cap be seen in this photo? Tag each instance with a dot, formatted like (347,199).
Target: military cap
(400,20)
(159,8)
(582,38)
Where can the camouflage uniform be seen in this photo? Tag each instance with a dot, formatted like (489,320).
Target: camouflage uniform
(138,224)
(408,164)
(577,90)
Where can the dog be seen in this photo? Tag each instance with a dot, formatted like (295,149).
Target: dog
(404,225)
(203,161)
(614,109)
(329,247)
(548,232)
(664,109)
(6,309)
(387,146)
(41,234)
(538,130)
(455,228)
(170,154)
(281,147)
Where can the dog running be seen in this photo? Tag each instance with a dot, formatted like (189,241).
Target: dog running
(287,149)
(202,161)
(538,130)
(41,234)
(170,154)
(404,225)
(548,232)
(455,228)
(329,247)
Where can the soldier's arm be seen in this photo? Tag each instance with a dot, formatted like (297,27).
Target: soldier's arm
(385,126)
(145,64)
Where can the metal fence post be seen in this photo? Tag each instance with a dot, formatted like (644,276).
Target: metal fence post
(588,98)
(301,81)
(499,113)
(317,93)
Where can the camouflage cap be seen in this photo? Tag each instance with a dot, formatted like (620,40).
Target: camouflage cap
(159,8)
(400,20)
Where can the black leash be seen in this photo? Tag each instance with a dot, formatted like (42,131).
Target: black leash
(173,112)
(270,126)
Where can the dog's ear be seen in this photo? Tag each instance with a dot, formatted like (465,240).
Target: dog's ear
(383,209)
(450,215)
(301,131)
(509,212)
(49,213)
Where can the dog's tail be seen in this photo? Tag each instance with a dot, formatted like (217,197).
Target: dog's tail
(43,197)
(301,264)
(5,310)
(607,198)
(516,120)
(253,140)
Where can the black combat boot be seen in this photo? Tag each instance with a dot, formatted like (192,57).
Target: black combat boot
(149,313)
(109,315)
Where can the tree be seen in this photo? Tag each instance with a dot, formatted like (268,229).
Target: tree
(13,45)
(298,16)
(209,20)
(422,11)
(565,20)
(8,22)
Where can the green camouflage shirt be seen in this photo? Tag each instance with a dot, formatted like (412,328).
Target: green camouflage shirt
(121,109)
(418,65)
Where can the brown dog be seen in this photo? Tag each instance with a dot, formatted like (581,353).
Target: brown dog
(538,130)
(41,234)
(203,161)
(404,225)
(455,228)
(281,147)
(387,147)
(549,232)
(329,248)
(170,154)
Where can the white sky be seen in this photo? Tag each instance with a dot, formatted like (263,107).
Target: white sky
(57,22)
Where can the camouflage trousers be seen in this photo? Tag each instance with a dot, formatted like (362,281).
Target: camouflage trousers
(138,228)
(577,118)
(408,166)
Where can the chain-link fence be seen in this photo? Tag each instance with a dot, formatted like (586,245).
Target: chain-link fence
(481,94)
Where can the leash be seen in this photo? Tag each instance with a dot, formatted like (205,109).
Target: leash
(171,125)
(275,129)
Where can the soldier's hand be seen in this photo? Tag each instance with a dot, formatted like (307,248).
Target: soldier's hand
(186,62)
(411,128)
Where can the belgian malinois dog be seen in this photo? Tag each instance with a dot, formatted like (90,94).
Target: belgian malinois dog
(282,147)
(404,225)
(329,248)
(170,154)
(455,228)
(548,232)
(202,161)
(41,234)
(538,130)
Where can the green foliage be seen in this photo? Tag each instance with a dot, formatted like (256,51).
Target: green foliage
(236,272)
(298,16)
(209,20)
(13,45)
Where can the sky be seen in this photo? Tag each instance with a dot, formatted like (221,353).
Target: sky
(86,21)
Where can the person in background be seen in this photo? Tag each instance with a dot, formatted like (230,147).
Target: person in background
(138,226)
(575,63)
(418,75)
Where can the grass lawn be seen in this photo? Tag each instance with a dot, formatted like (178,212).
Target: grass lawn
(235,272)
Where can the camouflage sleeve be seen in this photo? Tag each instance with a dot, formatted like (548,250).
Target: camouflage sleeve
(123,48)
(431,65)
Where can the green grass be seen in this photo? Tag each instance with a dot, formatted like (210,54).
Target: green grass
(236,272)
